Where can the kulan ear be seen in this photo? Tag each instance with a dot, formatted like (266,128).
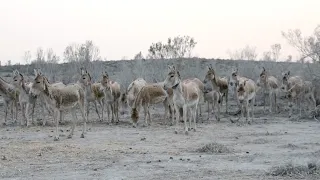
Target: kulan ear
(178,74)
(82,71)
(244,83)
(39,71)
(35,71)
(173,67)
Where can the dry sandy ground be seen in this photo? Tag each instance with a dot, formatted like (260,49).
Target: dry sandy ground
(119,151)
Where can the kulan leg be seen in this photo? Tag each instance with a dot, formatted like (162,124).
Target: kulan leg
(270,101)
(74,119)
(23,119)
(177,118)
(117,110)
(145,110)
(166,110)
(56,115)
(190,117)
(185,109)
(95,105)
(208,104)
(6,111)
(194,118)
(226,102)
(88,109)
(84,126)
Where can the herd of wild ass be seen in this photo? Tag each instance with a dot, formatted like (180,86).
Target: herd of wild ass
(180,97)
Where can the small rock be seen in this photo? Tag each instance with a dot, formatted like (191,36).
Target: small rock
(40,154)
(61,130)
(51,131)
(68,130)
(200,156)
(130,148)
(148,162)
(142,139)
(95,169)
(188,159)
(180,159)
(247,152)
(285,132)
(237,137)
(124,165)
(113,162)
(159,160)
(171,157)
(4,158)
(37,130)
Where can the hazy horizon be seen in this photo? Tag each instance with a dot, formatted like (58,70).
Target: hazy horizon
(123,28)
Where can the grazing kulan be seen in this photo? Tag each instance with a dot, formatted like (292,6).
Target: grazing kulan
(148,95)
(309,94)
(186,95)
(294,87)
(128,97)
(61,98)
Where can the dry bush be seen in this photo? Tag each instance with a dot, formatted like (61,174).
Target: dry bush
(297,171)
(214,148)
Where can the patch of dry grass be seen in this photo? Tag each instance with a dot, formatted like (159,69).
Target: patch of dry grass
(259,141)
(297,171)
(214,148)
(292,146)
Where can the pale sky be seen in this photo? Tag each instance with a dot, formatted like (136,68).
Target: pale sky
(125,27)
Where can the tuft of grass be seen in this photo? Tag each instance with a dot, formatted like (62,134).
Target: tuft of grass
(260,141)
(311,169)
(214,148)
(292,146)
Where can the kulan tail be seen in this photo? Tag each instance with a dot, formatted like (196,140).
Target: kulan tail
(135,107)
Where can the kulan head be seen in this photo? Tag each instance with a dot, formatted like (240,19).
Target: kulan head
(85,78)
(233,81)
(17,78)
(263,75)
(285,77)
(105,80)
(173,78)
(210,75)
(241,93)
(40,82)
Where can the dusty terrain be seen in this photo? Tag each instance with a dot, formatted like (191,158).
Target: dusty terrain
(119,151)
